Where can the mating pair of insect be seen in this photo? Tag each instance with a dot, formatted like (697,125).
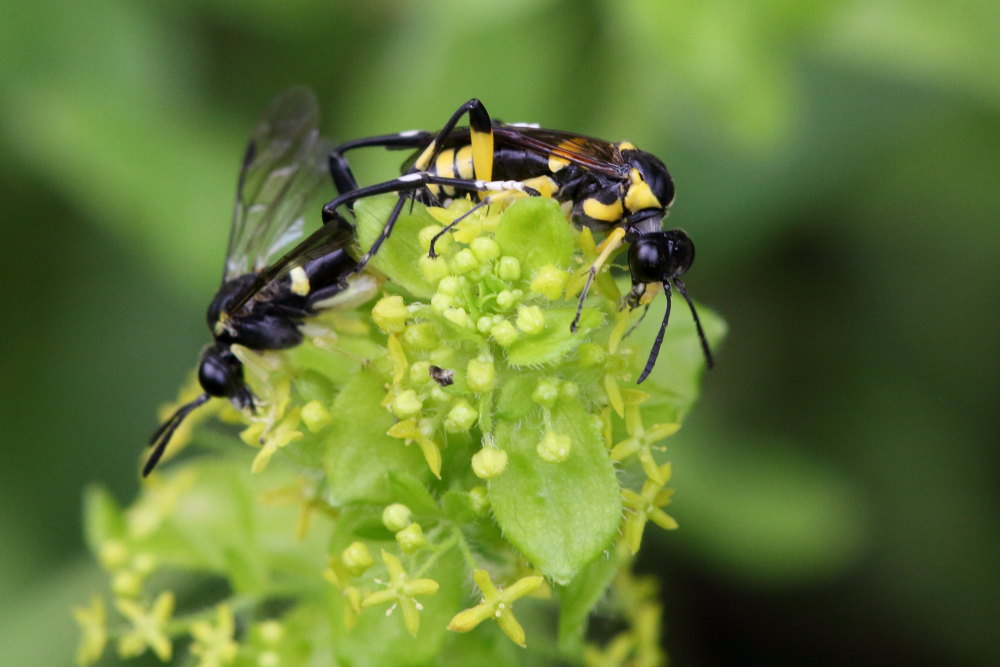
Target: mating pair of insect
(262,304)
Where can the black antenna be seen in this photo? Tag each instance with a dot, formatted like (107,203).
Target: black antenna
(655,352)
(701,334)
(163,434)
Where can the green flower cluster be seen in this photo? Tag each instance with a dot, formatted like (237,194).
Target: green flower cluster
(453,431)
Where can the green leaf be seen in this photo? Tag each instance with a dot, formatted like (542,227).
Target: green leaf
(399,257)
(561,516)
(457,506)
(579,597)
(411,492)
(674,384)
(536,232)
(359,454)
(555,341)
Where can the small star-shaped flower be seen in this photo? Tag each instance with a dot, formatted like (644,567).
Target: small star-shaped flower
(147,627)
(93,621)
(214,643)
(286,432)
(645,506)
(496,604)
(401,590)
(409,430)
(641,440)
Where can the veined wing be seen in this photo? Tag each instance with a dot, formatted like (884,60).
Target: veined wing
(592,154)
(283,168)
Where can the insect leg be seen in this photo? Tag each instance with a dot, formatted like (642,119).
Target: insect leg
(484,202)
(340,169)
(480,136)
(613,241)
(414,181)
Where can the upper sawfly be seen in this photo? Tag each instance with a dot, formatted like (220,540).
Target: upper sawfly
(262,302)
(614,188)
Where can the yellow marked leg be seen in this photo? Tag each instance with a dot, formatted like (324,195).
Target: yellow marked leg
(613,241)
(482,153)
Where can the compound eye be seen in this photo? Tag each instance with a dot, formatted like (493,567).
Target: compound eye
(681,252)
(220,373)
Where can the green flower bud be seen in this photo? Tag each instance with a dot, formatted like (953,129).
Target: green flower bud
(554,448)
(489,462)
(484,324)
(433,269)
(546,392)
(464,261)
(481,375)
(530,319)
(509,268)
(550,282)
(485,249)
(425,235)
(441,302)
(459,317)
(126,584)
(406,404)
(505,333)
(411,538)
(357,558)
(389,314)
(396,517)
(507,299)
(461,417)
(420,372)
(451,285)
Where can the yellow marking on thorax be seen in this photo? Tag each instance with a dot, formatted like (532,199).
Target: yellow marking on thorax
(464,162)
(445,164)
(639,195)
(300,281)
(424,160)
(595,210)
(544,184)
(626,146)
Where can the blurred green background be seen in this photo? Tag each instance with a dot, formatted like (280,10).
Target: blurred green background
(837,163)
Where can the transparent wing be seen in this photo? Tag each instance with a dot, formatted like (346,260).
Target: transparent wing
(283,168)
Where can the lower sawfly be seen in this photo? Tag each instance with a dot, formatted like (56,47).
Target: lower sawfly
(262,302)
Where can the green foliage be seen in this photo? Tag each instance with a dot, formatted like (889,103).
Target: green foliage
(379,489)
